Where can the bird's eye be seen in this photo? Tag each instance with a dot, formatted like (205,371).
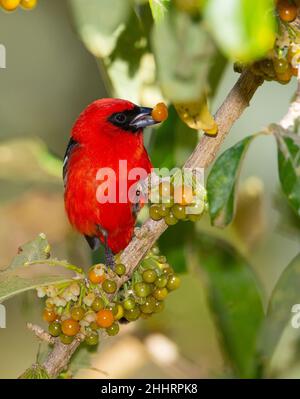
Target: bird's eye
(120,118)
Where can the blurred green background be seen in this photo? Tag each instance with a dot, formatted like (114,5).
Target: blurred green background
(50,77)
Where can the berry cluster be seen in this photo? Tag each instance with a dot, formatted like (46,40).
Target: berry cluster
(176,203)
(94,305)
(11,5)
(283,60)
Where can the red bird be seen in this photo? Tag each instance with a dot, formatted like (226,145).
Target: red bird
(107,131)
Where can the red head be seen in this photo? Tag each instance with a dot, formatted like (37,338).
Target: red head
(113,117)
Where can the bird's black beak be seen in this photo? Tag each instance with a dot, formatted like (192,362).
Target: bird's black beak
(143,118)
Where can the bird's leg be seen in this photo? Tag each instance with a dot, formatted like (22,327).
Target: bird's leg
(108,254)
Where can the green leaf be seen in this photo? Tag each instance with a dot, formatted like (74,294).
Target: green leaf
(35,372)
(27,278)
(183,50)
(159,8)
(221,183)
(99,23)
(289,169)
(36,250)
(284,296)
(244,29)
(235,300)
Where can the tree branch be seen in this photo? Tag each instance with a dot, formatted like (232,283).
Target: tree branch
(235,103)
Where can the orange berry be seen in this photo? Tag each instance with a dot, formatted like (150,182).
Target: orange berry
(183,195)
(9,5)
(70,327)
(295,71)
(96,278)
(287,10)
(28,4)
(160,112)
(105,318)
(49,315)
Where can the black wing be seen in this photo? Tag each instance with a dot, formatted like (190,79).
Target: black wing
(94,242)
(72,144)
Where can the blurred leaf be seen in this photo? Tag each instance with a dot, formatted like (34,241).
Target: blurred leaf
(36,250)
(235,300)
(173,142)
(35,372)
(183,50)
(219,63)
(174,244)
(100,23)
(284,296)
(197,115)
(159,8)
(244,29)
(82,358)
(133,43)
(289,169)
(222,181)
(29,277)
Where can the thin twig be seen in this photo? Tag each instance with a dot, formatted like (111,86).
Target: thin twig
(41,333)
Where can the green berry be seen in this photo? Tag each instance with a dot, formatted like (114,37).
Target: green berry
(92,339)
(171,219)
(167,270)
(173,283)
(159,306)
(129,303)
(113,329)
(142,289)
(149,305)
(162,259)
(54,329)
(120,269)
(132,314)
(163,210)
(114,309)
(179,211)
(94,326)
(98,304)
(149,275)
(65,339)
(160,293)
(77,313)
(280,65)
(109,286)
(267,67)
(155,250)
(161,281)
(154,212)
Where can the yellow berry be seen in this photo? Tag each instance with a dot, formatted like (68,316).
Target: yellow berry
(10,5)
(28,4)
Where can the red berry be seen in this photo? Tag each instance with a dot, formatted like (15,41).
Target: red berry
(287,10)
